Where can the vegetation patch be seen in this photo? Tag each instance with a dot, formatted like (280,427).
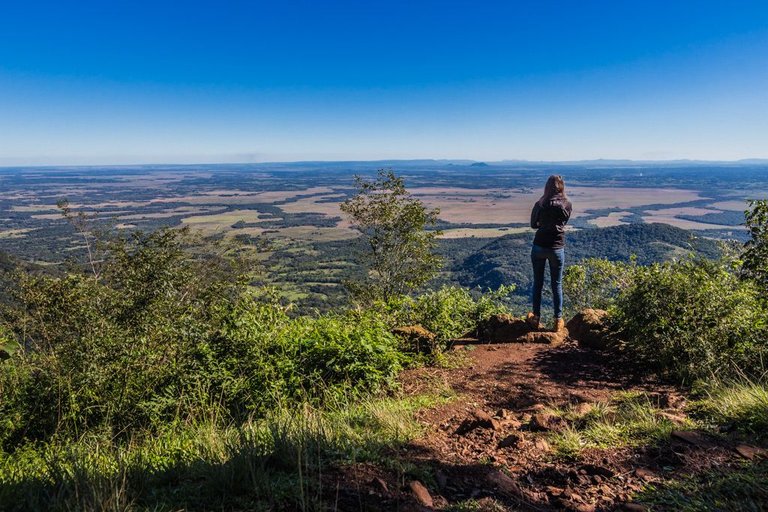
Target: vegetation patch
(742,488)
(740,405)
(277,461)
(629,419)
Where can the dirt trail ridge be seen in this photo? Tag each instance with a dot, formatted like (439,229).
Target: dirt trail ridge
(489,444)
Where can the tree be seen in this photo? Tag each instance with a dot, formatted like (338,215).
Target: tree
(399,253)
(755,258)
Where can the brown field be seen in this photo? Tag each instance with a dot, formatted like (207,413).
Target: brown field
(690,210)
(173,212)
(506,206)
(610,220)
(683,223)
(317,234)
(499,206)
(480,232)
(734,205)
(234,197)
(16,233)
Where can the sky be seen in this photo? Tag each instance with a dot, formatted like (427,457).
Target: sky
(118,82)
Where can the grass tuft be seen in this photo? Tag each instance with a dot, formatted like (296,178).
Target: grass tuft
(629,419)
(744,488)
(743,405)
(277,461)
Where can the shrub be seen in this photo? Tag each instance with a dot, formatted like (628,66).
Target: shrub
(265,357)
(162,336)
(756,249)
(450,311)
(596,282)
(693,319)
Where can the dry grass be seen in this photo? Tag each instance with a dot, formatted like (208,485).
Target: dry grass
(16,233)
(687,210)
(480,232)
(733,205)
(685,224)
(610,220)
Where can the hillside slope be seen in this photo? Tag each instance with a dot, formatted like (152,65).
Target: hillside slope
(506,260)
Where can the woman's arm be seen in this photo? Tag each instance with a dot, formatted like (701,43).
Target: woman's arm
(535,216)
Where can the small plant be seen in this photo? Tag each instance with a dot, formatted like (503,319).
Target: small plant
(755,258)
(449,312)
(595,283)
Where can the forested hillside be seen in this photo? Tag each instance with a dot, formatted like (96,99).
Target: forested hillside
(506,260)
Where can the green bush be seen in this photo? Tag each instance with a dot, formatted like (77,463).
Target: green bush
(163,335)
(263,356)
(450,311)
(693,319)
(596,282)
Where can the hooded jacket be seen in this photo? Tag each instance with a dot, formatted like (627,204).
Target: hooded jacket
(549,220)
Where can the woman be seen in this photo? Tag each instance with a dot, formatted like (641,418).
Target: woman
(549,216)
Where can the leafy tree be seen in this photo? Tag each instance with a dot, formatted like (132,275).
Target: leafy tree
(400,253)
(755,258)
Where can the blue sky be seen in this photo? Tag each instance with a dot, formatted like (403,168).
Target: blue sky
(138,82)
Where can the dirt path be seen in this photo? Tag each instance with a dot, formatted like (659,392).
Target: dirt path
(490,444)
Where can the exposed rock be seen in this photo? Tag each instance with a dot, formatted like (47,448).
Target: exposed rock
(589,328)
(644,474)
(750,452)
(542,445)
(634,507)
(421,493)
(595,470)
(543,421)
(691,437)
(546,337)
(380,484)
(479,419)
(674,418)
(418,338)
(502,328)
(504,483)
(512,440)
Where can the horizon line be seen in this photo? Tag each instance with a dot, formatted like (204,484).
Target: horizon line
(749,160)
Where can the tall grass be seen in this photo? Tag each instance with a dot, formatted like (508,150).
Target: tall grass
(275,462)
(742,404)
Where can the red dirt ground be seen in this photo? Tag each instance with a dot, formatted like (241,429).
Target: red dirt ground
(500,391)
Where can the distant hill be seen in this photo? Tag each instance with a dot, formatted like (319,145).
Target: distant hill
(506,260)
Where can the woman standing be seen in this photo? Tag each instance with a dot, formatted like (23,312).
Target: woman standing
(549,216)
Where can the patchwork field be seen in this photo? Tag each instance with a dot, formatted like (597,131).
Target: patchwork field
(300,202)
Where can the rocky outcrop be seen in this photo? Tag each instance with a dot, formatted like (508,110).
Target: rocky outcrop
(590,328)
(417,338)
(508,329)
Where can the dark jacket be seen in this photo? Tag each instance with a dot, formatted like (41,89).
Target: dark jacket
(549,220)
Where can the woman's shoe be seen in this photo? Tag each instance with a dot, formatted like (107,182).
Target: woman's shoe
(559,325)
(533,321)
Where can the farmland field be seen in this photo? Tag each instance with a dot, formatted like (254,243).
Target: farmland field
(289,213)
